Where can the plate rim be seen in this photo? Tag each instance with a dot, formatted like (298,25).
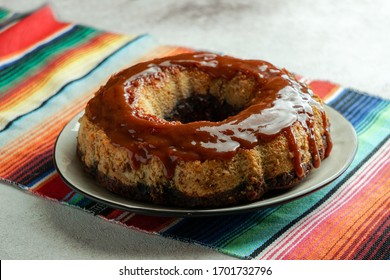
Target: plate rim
(168,211)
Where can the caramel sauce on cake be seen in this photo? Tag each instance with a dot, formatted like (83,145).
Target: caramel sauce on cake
(202,127)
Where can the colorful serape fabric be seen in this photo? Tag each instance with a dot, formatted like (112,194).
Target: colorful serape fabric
(50,69)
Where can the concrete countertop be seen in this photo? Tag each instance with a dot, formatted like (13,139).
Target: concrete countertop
(343,41)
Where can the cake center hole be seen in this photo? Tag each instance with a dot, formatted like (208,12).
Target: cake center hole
(201,108)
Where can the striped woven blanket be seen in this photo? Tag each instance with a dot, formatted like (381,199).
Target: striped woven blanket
(50,69)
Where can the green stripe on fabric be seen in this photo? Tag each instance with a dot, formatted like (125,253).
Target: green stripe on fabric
(42,103)
(32,62)
(4,14)
(76,199)
(245,225)
(374,132)
(87,84)
(379,116)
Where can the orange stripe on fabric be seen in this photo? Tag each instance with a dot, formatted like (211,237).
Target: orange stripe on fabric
(65,114)
(367,229)
(28,149)
(40,156)
(345,238)
(31,86)
(13,164)
(356,207)
(326,228)
(292,238)
(316,244)
(42,128)
(48,136)
(324,89)
(368,215)
(46,132)
(374,246)
(69,111)
(352,217)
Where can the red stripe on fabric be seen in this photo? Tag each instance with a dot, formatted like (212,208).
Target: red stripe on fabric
(349,205)
(14,153)
(31,167)
(357,216)
(29,31)
(355,236)
(322,88)
(69,198)
(149,223)
(286,245)
(375,244)
(384,253)
(31,159)
(375,229)
(53,187)
(114,214)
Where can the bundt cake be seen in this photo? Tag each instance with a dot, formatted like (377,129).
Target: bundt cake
(202,130)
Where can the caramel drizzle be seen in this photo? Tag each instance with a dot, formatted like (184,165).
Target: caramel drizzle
(326,127)
(279,103)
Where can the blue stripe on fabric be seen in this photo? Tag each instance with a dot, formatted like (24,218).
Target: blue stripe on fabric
(43,172)
(216,230)
(66,197)
(342,99)
(361,111)
(81,201)
(245,226)
(84,202)
(76,198)
(346,100)
(355,106)
(373,117)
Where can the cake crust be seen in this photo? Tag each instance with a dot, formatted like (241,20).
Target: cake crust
(169,195)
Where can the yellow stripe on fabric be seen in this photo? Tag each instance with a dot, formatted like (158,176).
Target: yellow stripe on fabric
(72,108)
(32,95)
(15,154)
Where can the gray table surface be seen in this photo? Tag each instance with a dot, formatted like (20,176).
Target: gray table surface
(343,41)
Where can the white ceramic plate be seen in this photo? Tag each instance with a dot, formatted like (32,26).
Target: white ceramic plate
(70,169)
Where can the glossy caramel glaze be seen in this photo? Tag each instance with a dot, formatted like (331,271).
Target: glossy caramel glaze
(278,102)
